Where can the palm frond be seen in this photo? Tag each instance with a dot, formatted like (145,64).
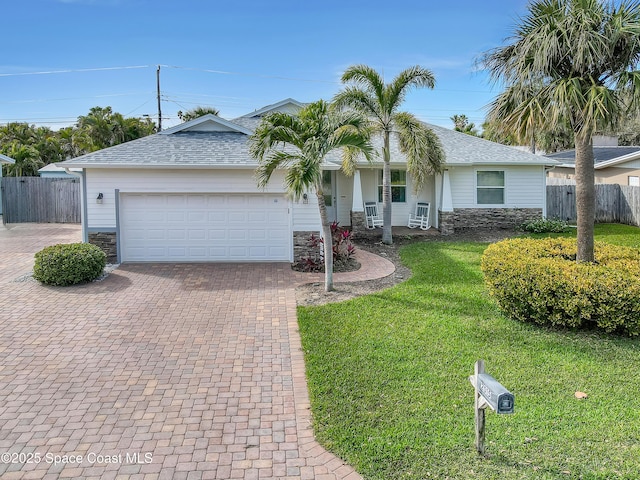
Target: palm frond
(366,78)
(298,144)
(413,77)
(270,162)
(359,100)
(421,146)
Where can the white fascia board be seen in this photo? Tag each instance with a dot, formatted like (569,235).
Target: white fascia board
(163,166)
(5,159)
(209,117)
(617,160)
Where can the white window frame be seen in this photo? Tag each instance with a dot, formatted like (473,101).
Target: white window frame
(633,180)
(504,187)
(405,186)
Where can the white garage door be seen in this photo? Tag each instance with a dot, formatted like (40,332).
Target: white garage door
(204,227)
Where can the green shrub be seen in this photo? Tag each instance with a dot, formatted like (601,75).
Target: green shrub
(538,280)
(68,264)
(545,225)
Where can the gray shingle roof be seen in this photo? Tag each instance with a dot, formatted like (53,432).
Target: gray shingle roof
(230,149)
(600,154)
(181,149)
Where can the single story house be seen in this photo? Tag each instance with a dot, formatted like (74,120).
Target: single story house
(3,159)
(612,163)
(189,194)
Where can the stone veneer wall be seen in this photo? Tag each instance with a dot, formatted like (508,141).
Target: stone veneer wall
(107,241)
(301,248)
(487,218)
(359,226)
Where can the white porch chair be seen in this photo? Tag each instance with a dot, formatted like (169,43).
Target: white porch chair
(420,218)
(371,213)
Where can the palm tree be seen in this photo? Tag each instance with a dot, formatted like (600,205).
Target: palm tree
(380,102)
(300,143)
(27,159)
(102,127)
(570,62)
(462,124)
(197,112)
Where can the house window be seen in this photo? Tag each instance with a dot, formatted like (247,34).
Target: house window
(634,181)
(398,186)
(490,187)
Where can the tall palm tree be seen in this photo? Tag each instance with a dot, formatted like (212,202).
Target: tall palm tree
(380,102)
(570,62)
(299,143)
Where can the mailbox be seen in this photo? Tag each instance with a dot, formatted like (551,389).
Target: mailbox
(499,398)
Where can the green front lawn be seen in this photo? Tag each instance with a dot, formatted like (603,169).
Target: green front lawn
(388,377)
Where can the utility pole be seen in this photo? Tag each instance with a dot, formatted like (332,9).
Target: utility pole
(159,107)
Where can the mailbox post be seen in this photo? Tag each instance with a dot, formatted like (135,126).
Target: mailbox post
(488,393)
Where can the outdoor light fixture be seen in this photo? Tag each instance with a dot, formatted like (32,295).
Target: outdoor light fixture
(305,198)
(99,198)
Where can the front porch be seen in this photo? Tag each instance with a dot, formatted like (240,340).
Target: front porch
(398,232)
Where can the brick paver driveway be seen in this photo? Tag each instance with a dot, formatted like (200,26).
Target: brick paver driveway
(159,371)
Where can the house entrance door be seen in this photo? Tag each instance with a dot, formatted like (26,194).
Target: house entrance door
(329,190)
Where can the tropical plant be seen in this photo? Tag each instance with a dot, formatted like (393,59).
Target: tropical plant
(299,143)
(102,128)
(574,63)
(41,145)
(380,102)
(197,112)
(27,160)
(462,124)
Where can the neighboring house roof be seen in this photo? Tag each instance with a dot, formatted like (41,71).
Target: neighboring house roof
(53,167)
(212,142)
(602,156)
(283,105)
(5,159)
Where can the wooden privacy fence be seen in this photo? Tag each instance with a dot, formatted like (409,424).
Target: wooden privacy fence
(40,200)
(614,203)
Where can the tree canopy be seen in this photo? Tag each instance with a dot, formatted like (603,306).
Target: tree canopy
(299,144)
(571,64)
(33,146)
(197,112)
(367,93)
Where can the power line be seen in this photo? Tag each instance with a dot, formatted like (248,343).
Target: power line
(70,70)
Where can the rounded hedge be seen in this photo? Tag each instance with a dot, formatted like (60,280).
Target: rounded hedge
(539,280)
(69,264)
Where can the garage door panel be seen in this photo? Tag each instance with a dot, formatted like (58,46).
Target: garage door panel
(217,234)
(176,234)
(196,216)
(197,201)
(237,217)
(154,234)
(204,227)
(217,217)
(175,216)
(258,234)
(236,235)
(173,201)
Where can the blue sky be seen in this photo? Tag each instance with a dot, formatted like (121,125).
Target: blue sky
(239,56)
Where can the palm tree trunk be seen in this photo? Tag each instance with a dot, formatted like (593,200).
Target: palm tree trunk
(328,241)
(387,234)
(585,198)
